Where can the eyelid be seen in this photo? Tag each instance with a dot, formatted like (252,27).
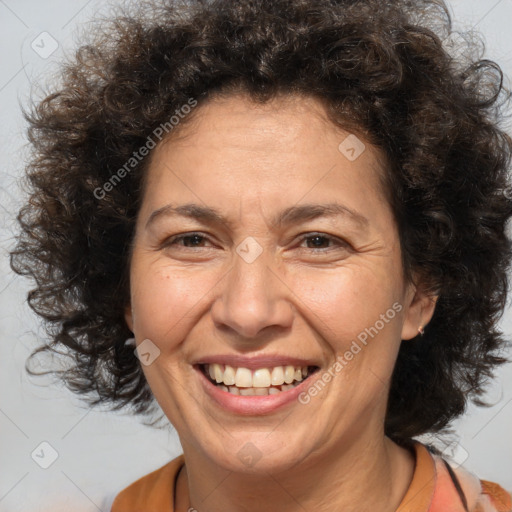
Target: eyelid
(340,242)
(180,236)
(337,241)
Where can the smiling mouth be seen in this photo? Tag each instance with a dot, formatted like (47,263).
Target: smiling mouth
(260,382)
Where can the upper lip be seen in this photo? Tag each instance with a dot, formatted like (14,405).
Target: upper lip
(255,362)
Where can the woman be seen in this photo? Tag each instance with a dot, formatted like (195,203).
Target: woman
(296,213)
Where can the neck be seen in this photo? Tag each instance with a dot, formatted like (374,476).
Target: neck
(363,476)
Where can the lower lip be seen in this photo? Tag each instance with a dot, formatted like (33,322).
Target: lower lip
(252,405)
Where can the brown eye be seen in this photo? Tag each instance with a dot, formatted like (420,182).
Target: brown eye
(317,241)
(190,240)
(321,241)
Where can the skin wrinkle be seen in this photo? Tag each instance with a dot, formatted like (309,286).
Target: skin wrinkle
(430,114)
(119,89)
(312,307)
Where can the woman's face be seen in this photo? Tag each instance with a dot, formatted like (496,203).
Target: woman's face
(291,257)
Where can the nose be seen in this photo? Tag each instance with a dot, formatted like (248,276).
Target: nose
(254,297)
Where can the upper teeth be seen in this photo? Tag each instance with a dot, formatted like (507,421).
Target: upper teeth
(260,378)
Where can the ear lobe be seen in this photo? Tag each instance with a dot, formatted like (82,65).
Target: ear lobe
(128,317)
(419,313)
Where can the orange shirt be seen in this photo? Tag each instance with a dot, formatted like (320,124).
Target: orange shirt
(432,489)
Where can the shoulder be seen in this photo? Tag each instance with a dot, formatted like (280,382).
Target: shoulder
(153,492)
(499,497)
(456,484)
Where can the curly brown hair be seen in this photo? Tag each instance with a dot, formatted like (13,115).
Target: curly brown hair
(381,69)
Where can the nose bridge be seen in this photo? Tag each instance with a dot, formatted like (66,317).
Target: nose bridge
(253,297)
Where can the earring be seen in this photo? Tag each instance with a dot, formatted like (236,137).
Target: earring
(421,330)
(130,341)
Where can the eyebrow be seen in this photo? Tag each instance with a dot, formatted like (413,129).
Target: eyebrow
(291,215)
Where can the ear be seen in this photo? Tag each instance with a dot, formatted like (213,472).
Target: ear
(420,308)
(128,316)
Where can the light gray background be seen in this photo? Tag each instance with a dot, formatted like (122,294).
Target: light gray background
(100,453)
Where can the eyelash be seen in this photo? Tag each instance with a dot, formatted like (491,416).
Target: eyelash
(177,238)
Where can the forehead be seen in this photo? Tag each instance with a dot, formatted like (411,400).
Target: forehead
(295,122)
(232,150)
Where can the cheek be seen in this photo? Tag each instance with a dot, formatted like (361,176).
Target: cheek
(347,301)
(340,303)
(167,301)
